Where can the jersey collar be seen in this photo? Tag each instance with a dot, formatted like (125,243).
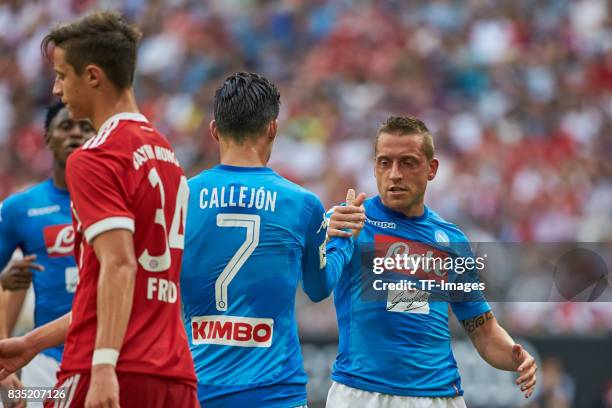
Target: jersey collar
(243,169)
(398,215)
(55,189)
(136,117)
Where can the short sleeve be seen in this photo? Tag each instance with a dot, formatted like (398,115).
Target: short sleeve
(315,256)
(99,192)
(467,310)
(322,266)
(466,305)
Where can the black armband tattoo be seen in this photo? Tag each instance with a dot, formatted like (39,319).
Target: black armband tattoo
(475,322)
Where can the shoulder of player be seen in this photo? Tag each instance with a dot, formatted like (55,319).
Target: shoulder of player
(20,201)
(369,203)
(82,157)
(115,149)
(276,180)
(310,199)
(25,194)
(119,134)
(298,193)
(295,188)
(299,190)
(453,232)
(12,204)
(200,178)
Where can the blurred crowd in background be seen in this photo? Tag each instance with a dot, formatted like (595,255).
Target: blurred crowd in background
(517,93)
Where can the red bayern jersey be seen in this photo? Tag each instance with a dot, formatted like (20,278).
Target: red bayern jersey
(127,177)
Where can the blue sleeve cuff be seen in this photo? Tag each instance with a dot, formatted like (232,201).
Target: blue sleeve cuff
(339,242)
(467,310)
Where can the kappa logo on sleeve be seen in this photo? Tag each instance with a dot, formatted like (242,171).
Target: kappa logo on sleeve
(232,331)
(59,240)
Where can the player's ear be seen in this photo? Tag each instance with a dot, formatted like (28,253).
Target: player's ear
(214,131)
(433,169)
(272,129)
(93,75)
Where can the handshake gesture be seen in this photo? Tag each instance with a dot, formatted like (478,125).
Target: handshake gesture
(347,220)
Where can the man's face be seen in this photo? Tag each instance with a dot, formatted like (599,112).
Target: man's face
(70,86)
(402,170)
(66,134)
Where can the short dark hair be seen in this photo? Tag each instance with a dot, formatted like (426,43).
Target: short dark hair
(407,125)
(52,111)
(245,104)
(102,38)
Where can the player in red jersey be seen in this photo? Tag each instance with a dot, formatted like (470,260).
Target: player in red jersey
(125,343)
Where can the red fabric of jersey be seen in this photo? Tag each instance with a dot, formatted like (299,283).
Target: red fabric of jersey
(128,178)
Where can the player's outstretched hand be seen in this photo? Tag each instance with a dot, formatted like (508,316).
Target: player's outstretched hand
(348,217)
(12,383)
(14,354)
(526,367)
(103,388)
(18,273)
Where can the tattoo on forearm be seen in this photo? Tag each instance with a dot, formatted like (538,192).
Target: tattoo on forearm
(475,322)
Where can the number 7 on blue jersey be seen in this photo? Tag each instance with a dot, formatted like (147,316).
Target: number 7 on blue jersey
(251,222)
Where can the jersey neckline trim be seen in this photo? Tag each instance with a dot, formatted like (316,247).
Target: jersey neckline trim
(243,169)
(137,117)
(57,190)
(398,215)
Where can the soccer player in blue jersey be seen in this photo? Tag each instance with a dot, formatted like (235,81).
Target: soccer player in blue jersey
(38,221)
(395,348)
(251,237)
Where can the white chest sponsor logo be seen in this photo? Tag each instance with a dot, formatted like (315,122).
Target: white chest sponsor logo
(59,239)
(232,331)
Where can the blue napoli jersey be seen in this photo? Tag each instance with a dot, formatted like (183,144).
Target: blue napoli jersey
(396,341)
(38,221)
(251,236)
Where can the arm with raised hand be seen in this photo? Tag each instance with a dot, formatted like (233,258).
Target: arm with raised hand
(347,220)
(322,266)
(498,349)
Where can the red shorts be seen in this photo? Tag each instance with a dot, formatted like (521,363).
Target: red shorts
(135,390)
